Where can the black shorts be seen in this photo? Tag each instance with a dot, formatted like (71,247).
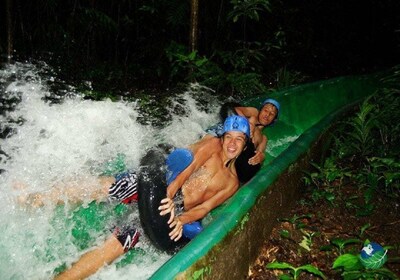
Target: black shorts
(128,236)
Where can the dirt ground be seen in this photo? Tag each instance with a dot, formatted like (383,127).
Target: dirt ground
(322,222)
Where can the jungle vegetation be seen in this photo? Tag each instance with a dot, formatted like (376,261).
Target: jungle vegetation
(235,47)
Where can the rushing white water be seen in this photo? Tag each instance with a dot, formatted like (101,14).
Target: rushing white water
(276,147)
(46,142)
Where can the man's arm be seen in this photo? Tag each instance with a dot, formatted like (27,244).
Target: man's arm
(202,151)
(200,211)
(259,155)
(247,112)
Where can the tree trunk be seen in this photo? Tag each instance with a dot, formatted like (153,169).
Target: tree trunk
(9,29)
(194,24)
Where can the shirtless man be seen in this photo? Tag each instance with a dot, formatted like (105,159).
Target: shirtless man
(208,181)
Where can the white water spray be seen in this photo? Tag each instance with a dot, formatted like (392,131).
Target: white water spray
(49,142)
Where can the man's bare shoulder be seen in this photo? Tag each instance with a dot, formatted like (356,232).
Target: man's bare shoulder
(206,148)
(206,141)
(208,138)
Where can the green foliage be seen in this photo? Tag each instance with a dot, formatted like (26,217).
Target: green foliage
(327,173)
(387,171)
(364,228)
(248,9)
(340,243)
(246,57)
(284,233)
(99,95)
(278,43)
(388,104)
(354,270)
(191,67)
(244,85)
(380,163)
(177,13)
(285,78)
(327,180)
(376,274)
(201,273)
(347,262)
(186,65)
(306,242)
(294,272)
(296,220)
(364,154)
(98,19)
(360,136)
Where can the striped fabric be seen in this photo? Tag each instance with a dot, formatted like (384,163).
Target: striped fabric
(125,188)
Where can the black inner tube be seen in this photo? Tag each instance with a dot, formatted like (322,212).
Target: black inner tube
(152,188)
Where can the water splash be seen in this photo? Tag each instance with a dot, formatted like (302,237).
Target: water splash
(276,147)
(48,136)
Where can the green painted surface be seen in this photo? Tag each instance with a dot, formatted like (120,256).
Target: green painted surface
(306,112)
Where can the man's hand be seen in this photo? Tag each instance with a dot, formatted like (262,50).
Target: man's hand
(257,158)
(167,206)
(176,232)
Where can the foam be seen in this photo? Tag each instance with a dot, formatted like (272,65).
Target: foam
(55,136)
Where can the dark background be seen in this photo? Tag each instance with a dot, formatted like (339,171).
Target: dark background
(125,44)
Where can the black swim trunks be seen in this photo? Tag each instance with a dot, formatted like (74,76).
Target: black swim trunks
(127,236)
(124,189)
(178,201)
(244,170)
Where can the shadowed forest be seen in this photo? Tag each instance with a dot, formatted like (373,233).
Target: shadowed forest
(236,47)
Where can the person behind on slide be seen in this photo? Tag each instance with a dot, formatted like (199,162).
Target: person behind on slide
(259,119)
(206,183)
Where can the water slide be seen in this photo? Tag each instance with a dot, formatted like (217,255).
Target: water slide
(235,231)
(36,128)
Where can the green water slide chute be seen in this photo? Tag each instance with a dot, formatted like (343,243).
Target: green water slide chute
(235,231)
